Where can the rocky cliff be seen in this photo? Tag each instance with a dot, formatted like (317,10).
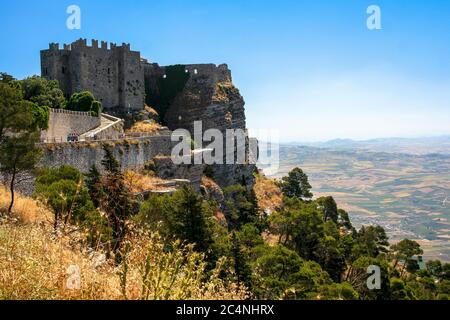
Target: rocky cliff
(183,94)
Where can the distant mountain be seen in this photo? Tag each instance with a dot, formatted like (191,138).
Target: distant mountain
(420,146)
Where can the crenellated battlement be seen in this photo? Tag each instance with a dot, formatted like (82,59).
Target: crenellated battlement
(83,43)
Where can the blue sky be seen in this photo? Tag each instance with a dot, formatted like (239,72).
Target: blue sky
(309,69)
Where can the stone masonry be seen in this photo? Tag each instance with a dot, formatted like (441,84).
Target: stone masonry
(121,80)
(64,122)
(112,73)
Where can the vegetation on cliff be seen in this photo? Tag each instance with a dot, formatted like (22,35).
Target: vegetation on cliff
(304,249)
(168,87)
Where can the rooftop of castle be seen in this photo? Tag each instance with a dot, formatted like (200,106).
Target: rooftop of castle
(83,43)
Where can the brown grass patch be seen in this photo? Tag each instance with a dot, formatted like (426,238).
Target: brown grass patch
(36,265)
(26,210)
(139,182)
(144,127)
(269,195)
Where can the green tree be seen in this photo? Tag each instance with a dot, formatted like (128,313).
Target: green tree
(243,243)
(277,268)
(399,291)
(6,78)
(357,276)
(370,241)
(296,184)
(434,267)
(405,250)
(240,206)
(282,274)
(329,208)
(15,113)
(241,264)
(42,92)
(117,202)
(93,182)
(329,252)
(299,226)
(63,191)
(18,154)
(344,221)
(40,116)
(338,291)
(183,216)
(84,101)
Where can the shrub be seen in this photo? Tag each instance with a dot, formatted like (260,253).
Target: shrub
(84,101)
(168,89)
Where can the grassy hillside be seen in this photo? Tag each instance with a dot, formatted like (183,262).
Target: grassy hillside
(36,263)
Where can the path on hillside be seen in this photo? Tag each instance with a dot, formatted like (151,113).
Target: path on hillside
(104,123)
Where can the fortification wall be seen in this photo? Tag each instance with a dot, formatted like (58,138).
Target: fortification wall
(131,154)
(113,74)
(64,122)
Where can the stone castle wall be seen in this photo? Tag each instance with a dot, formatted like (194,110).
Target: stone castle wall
(114,75)
(65,122)
(120,79)
(131,154)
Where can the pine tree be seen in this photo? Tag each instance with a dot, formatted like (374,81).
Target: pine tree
(94,184)
(117,201)
(296,184)
(18,154)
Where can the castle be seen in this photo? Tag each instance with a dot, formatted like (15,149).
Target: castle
(124,83)
(114,74)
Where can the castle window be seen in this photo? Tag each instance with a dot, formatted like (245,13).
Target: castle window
(46,71)
(63,70)
(109,71)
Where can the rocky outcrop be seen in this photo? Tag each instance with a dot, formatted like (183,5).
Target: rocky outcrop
(166,169)
(212,191)
(184,94)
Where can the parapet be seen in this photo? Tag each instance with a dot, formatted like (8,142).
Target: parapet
(83,43)
(53,46)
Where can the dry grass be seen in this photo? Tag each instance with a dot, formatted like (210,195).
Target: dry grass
(144,127)
(37,264)
(139,182)
(209,183)
(268,193)
(25,209)
(223,90)
(151,110)
(33,265)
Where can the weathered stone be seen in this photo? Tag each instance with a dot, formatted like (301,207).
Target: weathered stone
(114,75)
(210,96)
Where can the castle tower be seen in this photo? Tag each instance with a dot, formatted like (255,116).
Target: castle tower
(114,75)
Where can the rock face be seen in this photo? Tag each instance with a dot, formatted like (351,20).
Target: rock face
(166,169)
(201,92)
